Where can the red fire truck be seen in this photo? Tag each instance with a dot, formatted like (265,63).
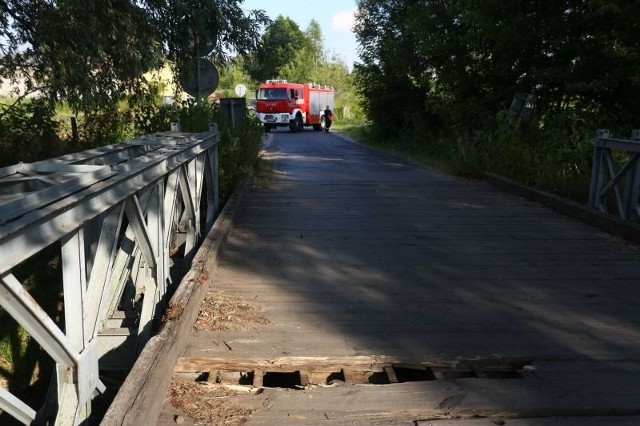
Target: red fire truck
(280,103)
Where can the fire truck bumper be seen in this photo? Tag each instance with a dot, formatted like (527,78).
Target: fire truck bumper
(275,119)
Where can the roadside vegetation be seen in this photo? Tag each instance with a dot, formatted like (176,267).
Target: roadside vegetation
(514,88)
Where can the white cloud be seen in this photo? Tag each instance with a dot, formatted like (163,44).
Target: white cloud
(343,21)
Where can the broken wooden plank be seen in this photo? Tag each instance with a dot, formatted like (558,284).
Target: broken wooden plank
(391,374)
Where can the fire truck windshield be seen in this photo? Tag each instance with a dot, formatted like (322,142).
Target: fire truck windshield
(272,94)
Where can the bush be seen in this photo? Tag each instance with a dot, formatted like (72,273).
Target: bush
(554,155)
(239,147)
(28,132)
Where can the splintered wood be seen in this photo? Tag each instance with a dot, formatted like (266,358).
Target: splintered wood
(207,404)
(222,312)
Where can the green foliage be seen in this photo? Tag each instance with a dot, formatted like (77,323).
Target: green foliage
(439,75)
(92,54)
(239,146)
(149,115)
(281,42)
(231,75)
(85,52)
(28,132)
(555,157)
(239,153)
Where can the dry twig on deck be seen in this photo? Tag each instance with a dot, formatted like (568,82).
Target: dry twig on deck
(206,404)
(221,312)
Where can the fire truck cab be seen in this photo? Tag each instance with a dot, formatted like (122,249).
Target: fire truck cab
(280,103)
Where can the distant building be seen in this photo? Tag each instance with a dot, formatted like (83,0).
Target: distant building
(12,89)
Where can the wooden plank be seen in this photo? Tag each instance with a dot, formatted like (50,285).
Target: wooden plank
(283,363)
(258,376)
(464,399)
(548,421)
(391,375)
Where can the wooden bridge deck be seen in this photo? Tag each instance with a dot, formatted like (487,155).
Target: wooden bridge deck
(357,288)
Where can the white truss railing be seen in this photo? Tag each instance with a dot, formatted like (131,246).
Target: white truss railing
(127,217)
(615,176)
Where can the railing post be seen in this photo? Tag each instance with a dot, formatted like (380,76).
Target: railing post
(632,192)
(212,172)
(596,170)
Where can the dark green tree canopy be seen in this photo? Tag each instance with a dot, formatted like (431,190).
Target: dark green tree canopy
(82,52)
(280,44)
(214,28)
(471,56)
(90,53)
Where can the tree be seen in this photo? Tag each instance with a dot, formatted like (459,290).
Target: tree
(217,29)
(465,59)
(307,59)
(393,78)
(232,74)
(91,53)
(280,45)
(315,44)
(84,52)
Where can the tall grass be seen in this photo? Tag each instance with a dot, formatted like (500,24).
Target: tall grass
(553,156)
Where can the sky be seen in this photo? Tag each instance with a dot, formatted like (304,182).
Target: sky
(334,16)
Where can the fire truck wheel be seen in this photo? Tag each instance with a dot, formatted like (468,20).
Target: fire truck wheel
(299,123)
(267,128)
(296,125)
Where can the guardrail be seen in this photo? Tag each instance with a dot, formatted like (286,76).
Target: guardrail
(128,219)
(615,176)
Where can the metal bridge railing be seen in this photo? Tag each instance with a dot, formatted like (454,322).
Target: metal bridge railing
(127,218)
(615,176)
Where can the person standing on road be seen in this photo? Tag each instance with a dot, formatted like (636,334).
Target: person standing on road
(328,118)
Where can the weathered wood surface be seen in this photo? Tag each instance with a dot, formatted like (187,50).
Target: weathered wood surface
(557,389)
(355,253)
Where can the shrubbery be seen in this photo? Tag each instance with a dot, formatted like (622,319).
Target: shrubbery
(31,131)
(437,79)
(239,146)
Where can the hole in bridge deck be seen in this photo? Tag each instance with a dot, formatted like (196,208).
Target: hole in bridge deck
(282,380)
(246,378)
(458,374)
(379,378)
(413,374)
(388,374)
(501,374)
(335,376)
(227,377)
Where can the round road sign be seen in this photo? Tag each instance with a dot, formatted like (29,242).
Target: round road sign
(241,90)
(200,79)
